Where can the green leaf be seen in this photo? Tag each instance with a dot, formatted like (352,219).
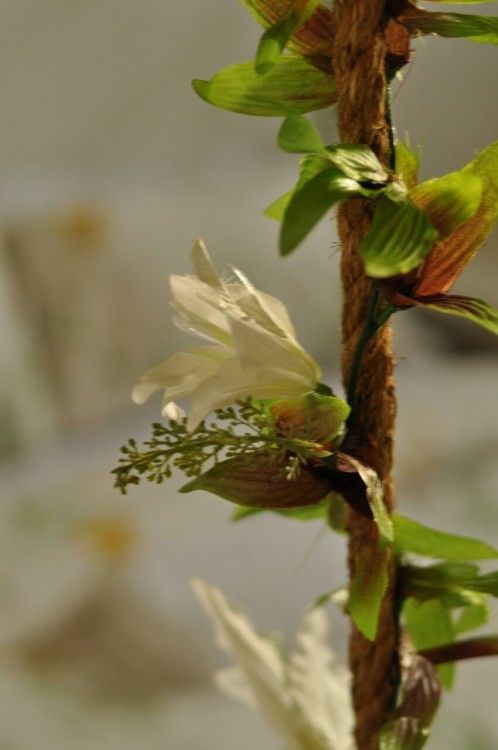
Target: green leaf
(429,624)
(276,37)
(454,584)
(298,135)
(399,239)
(473,616)
(307,513)
(375,495)
(337,513)
(310,166)
(312,39)
(291,86)
(414,537)
(449,257)
(259,480)
(367,591)
(242,513)
(358,162)
(309,203)
(407,164)
(453,25)
(316,512)
(448,201)
(471,308)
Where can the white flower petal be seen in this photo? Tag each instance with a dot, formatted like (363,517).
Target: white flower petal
(305,699)
(172,411)
(319,687)
(255,355)
(265,311)
(199,307)
(260,349)
(256,656)
(204,266)
(232,682)
(181,373)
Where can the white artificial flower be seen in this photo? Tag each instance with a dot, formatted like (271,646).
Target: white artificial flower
(305,697)
(253,351)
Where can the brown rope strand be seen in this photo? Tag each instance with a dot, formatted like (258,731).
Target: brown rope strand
(358,61)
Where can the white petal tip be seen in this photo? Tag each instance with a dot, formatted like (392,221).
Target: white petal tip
(173,411)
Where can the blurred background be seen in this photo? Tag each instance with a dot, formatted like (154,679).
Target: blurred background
(109,167)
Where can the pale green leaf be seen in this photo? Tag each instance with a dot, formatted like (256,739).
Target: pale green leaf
(358,162)
(407,164)
(276,37)
(453,25)
(241,513)
(454,584)
(367,591)
(471,308)
(473,616)
(448,201)
(414,537)
(374,495)
(309,203)
(399,239)
(298,135)
(291,86)
(310,166)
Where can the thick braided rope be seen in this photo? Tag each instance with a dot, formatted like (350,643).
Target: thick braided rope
(358,60)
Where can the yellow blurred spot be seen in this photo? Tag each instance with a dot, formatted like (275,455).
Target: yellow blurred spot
(111,538)
(83,225)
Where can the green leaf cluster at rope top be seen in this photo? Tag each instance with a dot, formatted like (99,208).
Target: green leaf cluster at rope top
(277,84)
(422,235)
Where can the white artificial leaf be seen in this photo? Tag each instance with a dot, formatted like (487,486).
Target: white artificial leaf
(305,698)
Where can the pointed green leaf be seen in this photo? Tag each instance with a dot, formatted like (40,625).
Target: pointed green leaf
(367,591)
(375,495)
(448,201)
(292,85)
(465,307)
(473,616)
(358,162)
(411,536)
(454,584)
(450,255)
(407,164)
(243,512)
(399,239)
(453,25)
(337,513)
(429,624)
(309,203)
(298,135)
(310,166)
(276,37)
(259,480)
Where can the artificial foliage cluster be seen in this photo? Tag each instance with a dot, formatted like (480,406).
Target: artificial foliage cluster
(264,432)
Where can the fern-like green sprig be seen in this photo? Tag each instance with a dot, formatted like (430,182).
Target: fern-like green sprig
(237,430)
